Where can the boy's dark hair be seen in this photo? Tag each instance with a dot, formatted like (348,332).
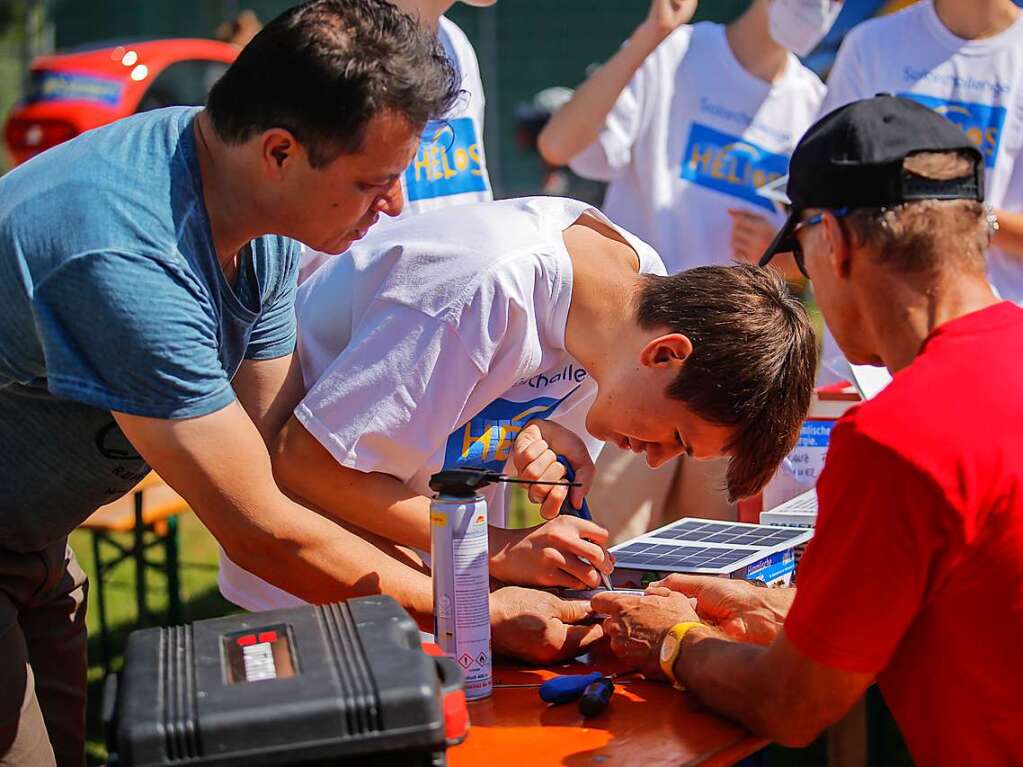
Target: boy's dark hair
(753,362)
(323,69)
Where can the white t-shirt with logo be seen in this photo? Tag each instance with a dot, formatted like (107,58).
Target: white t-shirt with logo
(692,135)
(975,83)
(450,166)
(434,341)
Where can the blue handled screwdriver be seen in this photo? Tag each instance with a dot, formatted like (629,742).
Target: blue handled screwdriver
(593,690)
(583,512)
(596,697)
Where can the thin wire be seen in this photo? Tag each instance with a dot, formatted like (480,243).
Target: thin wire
(538,482)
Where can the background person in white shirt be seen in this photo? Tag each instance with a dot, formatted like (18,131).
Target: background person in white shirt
(517,330)
(685,122)
(450,166)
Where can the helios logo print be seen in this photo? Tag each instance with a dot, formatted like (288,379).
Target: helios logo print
(730,164)
(486,440)
(982,123)
(449,161)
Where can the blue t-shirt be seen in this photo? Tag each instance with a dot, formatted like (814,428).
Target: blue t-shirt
(112,298)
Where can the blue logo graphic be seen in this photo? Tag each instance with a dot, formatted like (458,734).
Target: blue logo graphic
(777,565)
(448,161)
(486,440)
(981,123)
(64,86)
(815,433)
(730,165)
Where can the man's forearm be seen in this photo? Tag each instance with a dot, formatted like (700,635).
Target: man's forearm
(724,675)
(319,561)
(373,501)
(577,124)
(775,691)
(219,464)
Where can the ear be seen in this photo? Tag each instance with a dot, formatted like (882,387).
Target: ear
(670,351)
(839,247)
(279,151)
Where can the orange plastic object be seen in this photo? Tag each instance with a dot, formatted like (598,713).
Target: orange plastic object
(647,723)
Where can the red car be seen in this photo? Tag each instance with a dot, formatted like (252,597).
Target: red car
(72,92)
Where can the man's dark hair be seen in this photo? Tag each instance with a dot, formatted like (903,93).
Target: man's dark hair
(753,361)
(322,70)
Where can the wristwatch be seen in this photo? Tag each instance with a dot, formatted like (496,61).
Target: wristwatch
(671,646)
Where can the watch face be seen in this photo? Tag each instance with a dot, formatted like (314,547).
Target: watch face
(668,646)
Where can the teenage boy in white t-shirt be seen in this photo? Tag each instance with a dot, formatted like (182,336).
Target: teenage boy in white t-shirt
(450,166)
(517,330)
(685,122)
(963,58)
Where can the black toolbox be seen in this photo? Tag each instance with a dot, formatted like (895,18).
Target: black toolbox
(341,684)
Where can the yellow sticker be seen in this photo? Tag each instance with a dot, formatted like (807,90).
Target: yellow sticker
(438,518)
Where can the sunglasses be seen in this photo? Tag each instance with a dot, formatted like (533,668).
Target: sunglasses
(793,241)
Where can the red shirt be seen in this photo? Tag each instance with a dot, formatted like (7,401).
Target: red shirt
(916,569)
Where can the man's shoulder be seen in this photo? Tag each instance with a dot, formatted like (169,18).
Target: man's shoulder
(106,189)
(956,401)
(907,414)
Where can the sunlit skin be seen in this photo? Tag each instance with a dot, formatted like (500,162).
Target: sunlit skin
(332,206)
(633,410)
(880,316)
(266,185)
(843,316)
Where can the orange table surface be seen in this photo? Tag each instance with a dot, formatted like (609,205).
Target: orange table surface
(646,723)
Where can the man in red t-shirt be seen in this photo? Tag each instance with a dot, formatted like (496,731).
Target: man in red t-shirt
(915,576)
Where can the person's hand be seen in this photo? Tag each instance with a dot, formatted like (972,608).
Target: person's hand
(535,456)
(751,234)
(638,625)
(539,627)
(737,608)
(552,554)
(665,16)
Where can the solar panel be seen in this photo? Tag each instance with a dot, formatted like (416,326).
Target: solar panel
(724,532)
(696,545)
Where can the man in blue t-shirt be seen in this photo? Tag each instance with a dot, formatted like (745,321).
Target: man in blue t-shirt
(147,277)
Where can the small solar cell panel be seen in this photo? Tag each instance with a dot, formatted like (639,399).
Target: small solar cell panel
(698,545)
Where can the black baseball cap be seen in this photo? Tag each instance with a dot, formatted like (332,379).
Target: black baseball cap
(852,158)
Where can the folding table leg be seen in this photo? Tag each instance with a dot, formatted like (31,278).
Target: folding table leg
(139,552)
(101,602)
(170,543)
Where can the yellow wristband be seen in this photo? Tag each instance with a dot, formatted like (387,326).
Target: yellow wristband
(671,646)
